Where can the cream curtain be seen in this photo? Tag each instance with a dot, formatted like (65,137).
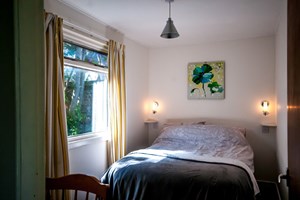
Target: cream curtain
(57,159)
(117,100)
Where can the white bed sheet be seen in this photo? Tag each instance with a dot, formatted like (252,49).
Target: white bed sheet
(207,140)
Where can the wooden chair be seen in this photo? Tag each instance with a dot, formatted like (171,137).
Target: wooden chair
(77,182)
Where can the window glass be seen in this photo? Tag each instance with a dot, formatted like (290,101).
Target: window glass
(76,52)
(86,100)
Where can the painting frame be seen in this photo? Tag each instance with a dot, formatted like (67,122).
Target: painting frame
(206,80)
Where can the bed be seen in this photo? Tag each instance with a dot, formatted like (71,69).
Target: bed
(187,162)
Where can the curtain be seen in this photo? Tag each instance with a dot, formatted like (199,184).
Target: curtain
(117,100)
(57,159)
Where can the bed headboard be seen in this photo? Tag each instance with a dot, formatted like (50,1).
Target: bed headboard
(212,121)
(218,121)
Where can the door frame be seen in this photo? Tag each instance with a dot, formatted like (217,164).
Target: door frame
(293,82)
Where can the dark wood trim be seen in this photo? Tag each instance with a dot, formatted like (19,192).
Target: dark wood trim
(7,109)
(294,97)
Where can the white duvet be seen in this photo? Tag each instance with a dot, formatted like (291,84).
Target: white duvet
(210,143)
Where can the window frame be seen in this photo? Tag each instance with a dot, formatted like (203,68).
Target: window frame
(88,41)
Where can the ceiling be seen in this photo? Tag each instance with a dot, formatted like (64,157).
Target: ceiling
(197,21)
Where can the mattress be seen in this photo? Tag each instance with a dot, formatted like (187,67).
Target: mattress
(187,162)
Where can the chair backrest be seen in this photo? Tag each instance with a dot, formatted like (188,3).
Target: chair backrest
(77,182)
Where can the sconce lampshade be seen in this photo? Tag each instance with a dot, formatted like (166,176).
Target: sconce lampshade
(265,107)
(154,107)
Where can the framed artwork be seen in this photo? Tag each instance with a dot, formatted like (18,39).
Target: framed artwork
(206,80)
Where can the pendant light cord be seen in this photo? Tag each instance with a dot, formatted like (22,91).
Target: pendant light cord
(169,9)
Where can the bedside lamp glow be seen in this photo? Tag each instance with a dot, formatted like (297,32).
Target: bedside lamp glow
(155,106)
(265,107)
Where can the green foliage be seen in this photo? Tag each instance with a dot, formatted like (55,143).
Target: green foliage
(75,119)
(78,101)
(77,52)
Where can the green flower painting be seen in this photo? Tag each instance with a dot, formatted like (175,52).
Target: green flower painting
(206,80)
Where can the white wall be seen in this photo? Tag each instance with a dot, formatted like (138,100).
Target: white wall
(91,159)
(281,94)
(88,156)
(136,94)
(249,79)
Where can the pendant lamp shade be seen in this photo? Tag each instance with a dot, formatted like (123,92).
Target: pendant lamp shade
(169,31)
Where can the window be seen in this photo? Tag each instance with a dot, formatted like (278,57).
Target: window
(85,81)
(76,52)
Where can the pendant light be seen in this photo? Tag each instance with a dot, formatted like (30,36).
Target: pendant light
(169,31)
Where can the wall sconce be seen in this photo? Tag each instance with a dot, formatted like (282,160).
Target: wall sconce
(265,107)
(155,106)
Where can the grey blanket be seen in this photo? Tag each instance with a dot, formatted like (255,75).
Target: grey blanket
(142,176)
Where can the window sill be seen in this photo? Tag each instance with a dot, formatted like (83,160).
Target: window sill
(79,141)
